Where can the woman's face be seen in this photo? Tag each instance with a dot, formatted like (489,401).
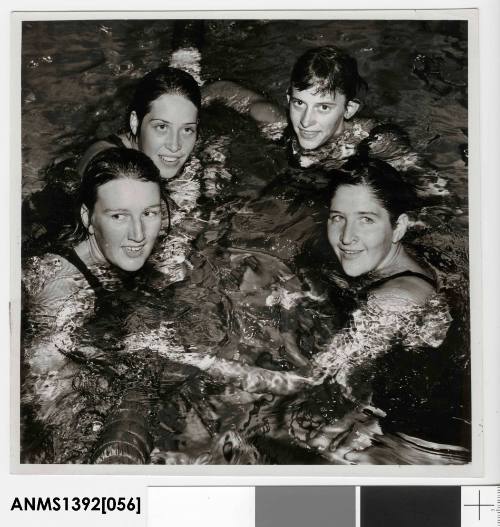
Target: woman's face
(360,231)
(168,133)
(316,117)
(125,222)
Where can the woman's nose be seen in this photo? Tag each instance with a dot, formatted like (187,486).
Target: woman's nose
(307,118)
(348,234)
(172,141)
(136,231)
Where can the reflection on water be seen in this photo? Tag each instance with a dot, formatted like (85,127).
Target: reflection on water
(245,263)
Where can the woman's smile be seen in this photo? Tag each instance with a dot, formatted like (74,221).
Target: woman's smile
(170,161)
(350,253)
(308,134)
(134,251)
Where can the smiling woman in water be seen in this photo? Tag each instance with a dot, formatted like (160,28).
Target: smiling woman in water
(324,96)
(119,216)
(118,221)
(120,212)
(366,223)
(162,121)
(366,226)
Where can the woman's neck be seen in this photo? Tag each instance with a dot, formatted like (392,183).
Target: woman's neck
(89,253)
(396,262)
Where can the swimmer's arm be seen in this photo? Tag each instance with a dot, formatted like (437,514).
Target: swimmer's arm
(244,101)
(369,336)
(251,379)
(388,313)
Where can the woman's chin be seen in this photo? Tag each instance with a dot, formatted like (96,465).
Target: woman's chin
(131,265)
(353,271)
(169,172)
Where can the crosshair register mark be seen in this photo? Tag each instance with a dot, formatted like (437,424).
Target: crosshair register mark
(479,504)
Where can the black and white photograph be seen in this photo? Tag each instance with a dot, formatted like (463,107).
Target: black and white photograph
(245,241)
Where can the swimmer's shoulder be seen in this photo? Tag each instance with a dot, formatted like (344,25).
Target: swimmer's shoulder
(50,278)
(403,291)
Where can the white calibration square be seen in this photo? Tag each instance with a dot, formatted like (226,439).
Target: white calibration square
(195,506)
(480,506)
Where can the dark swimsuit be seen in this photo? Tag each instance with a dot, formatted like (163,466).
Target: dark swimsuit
(128,280)
(75,260)
(115,140)
(116,428)
(348,298)
(382,281)
(424,408)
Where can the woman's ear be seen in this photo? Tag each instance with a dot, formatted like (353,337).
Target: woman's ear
(351,108)
(401,228)
(84,214)
(134,122)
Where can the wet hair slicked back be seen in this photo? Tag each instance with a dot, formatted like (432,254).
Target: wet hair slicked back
(381,179)
(330,70)
(161,81)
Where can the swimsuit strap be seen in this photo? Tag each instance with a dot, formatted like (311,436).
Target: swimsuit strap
(422,276)
(74,259)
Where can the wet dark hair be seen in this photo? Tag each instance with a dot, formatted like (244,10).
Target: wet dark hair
(331,70)
(108,165)
(384,182)
(161,81)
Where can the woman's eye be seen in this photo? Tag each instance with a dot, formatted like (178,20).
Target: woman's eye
(160,127)
(367,219)
(297,102)
(118,216)
(189,131)
(151,213)
(336,218)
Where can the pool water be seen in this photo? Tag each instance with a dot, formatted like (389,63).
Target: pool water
(125,402)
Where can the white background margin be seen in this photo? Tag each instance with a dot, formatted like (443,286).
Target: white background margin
(63,485)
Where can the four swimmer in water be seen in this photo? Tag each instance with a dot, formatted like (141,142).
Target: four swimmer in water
(121,212)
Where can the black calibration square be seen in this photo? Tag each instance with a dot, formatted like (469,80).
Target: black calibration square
(410,506)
